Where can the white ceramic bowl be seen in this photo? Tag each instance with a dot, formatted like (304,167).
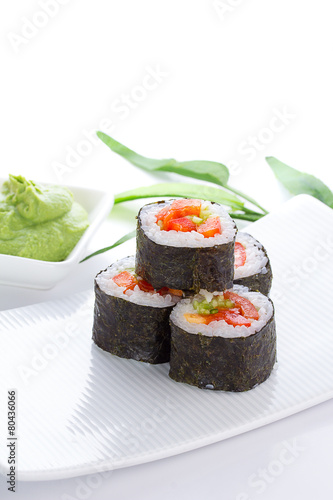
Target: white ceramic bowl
(32,273)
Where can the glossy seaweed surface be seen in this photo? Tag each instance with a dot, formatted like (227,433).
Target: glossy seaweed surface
(218,363)
(184,268)
(130,330)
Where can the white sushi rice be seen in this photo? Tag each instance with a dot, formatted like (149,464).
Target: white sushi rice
(190,239)
(137,296)
(221,328)
(256,259)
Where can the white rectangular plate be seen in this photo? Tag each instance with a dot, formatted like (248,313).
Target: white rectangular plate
(82,410)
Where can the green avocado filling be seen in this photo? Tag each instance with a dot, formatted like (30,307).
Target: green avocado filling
(204,215)
(195,219)
(39,222)
(214,306)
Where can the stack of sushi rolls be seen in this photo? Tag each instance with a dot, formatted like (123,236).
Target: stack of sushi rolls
(195,295)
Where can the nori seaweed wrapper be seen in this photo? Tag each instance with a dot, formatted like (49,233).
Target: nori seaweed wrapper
(258,282)
(184,268)
(218,363)
(130,330)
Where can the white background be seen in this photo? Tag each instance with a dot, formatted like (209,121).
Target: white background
(225,71)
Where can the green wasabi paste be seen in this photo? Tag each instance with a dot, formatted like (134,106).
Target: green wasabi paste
(39,222)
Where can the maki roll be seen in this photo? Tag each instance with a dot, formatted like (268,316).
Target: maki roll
(252,266)
(223,341)
(186,244)
(131,319)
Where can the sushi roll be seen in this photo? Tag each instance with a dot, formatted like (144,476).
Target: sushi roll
(186,244)
(131,319)
(252,266)
(223,341)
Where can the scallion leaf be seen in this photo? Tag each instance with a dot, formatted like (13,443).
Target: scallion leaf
(299,182)
(125,238)
(182,190)
(209,171)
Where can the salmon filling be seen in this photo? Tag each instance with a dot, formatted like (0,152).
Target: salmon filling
(129,281)
(188,215)
(234,309)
